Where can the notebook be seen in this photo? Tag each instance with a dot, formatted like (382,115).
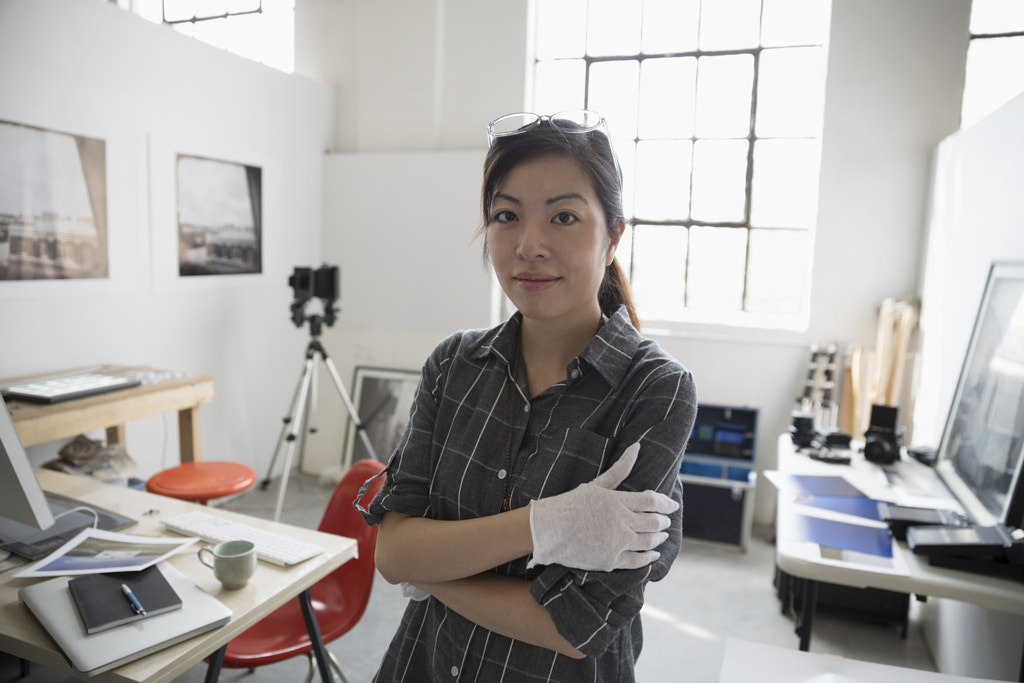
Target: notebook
(51,603)
(102,604)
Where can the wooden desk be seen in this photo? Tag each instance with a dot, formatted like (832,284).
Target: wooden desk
(272,586)
(38,423)
(909,572)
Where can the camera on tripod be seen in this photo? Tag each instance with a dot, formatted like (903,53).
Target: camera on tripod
(323,283)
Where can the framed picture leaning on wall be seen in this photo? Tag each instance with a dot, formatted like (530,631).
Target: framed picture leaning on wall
(382,398)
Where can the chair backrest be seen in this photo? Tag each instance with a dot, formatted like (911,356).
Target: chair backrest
(342,518)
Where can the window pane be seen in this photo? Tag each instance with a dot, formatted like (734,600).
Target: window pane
(613,27)
(717,262)
(613,92)
(729,24)
(993,76)
(625,150)
(659,270)
(663,179)
(791,92)
(670,26)
(777,270)
(997,16)
(561,28)
(719,180)
(785,182)
(559,86)
(794,22)
(667,88)
(724,86)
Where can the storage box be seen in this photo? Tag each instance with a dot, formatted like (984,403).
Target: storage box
(718,475)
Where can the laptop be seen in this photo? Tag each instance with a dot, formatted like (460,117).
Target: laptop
(50,602)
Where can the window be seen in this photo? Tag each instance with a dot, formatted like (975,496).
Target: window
(994,56)
(260,30)
(716,111)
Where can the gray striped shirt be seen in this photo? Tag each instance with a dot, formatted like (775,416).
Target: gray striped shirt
(451,464)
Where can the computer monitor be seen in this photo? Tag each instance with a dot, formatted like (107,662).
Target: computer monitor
(980,454)
(21,498)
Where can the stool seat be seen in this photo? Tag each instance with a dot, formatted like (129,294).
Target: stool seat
(202,481)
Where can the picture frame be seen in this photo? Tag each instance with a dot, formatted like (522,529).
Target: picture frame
(383,398)
(179,171)
(104,256)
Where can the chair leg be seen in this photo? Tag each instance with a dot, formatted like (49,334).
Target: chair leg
(317,641)
(335,664)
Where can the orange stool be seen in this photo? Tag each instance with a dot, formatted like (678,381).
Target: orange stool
(201,481)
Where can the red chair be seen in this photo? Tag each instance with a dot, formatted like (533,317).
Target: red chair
(339,599)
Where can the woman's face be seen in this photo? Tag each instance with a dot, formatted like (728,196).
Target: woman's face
(548,241)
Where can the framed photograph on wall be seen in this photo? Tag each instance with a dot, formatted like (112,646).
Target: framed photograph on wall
(53,204)
(216,214)
(382,399)
(220,217)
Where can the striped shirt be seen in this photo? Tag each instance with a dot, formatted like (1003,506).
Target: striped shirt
(451,464)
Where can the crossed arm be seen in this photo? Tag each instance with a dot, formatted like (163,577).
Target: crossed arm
(450,560)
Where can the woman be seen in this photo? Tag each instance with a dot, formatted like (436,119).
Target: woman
(537,475)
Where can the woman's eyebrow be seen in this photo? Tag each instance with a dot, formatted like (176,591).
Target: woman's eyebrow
(506,197)
(567,196)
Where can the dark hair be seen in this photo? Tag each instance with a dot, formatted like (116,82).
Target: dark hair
(593,152)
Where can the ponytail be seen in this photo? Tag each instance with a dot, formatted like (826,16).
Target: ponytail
(615,292)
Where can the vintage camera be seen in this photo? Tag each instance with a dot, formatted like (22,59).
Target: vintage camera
(323,283)
(884,436)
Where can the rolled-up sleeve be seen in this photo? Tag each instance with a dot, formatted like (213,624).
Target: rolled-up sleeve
(591,608)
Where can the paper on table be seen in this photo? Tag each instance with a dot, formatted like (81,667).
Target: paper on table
(94,551)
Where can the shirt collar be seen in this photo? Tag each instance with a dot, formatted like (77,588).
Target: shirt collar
(610,352)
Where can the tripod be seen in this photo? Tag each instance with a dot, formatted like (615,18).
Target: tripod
(305,397)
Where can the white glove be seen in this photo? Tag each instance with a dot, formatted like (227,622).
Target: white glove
(595,527)
(413,593)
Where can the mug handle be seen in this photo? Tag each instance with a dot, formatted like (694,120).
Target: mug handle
(203,559)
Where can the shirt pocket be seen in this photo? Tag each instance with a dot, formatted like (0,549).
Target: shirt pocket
(564,460)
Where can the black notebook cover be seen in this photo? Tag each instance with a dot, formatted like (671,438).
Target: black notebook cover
(102,604)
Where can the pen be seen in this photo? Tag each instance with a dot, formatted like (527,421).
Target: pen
(136,605)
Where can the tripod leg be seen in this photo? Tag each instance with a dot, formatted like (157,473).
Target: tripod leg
(288,420)
(294,432)
(348,406)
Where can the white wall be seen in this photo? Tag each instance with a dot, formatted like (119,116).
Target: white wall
(86,66)
(423,87)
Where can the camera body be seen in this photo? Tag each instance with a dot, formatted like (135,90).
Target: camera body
(323,283)
(884,437)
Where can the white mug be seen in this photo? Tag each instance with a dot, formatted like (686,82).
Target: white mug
(233,562)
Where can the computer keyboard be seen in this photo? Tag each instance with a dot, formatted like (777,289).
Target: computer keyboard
(67,387)
(271,547)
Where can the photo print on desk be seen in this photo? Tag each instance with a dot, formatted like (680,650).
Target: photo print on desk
(53,204)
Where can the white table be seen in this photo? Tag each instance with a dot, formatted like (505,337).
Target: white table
(271,587)
(909,572)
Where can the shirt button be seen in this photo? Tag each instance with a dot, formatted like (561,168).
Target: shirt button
(526,408)
(455,671)
(502,474)
(575,373)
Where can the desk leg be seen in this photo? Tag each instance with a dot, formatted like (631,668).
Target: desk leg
(806,617)
(214,665)
(188,434)
(317,641)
